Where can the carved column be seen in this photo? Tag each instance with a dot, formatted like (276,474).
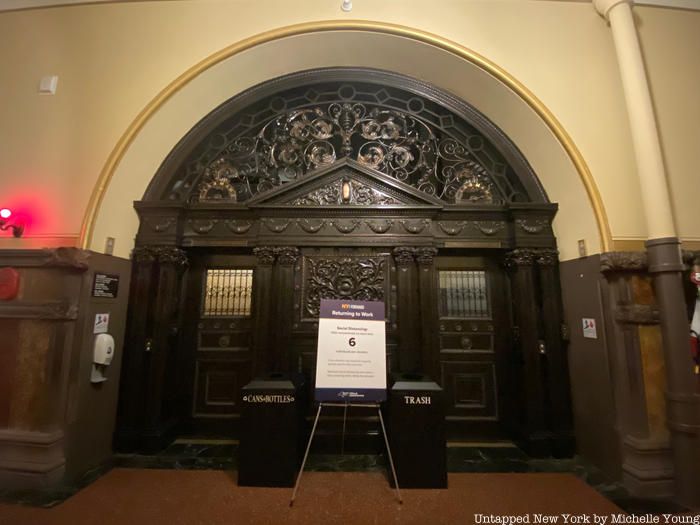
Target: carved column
(150,344)
(663,247)
(132,390)
(159,424)
(281,360)
(557,378)
(263,339)
(634,338)
(425,257)
(532,428)
(407,299)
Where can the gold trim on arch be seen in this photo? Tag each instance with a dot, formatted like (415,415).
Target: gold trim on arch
(494,70)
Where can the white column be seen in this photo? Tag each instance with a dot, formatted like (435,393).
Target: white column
(645,136)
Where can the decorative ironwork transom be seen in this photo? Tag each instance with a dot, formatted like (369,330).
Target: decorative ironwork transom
(281,138)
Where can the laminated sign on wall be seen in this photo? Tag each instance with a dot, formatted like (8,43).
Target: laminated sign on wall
(351,358)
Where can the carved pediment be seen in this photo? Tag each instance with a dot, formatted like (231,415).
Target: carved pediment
(345,183)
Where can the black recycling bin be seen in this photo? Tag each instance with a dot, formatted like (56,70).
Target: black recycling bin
(268,453)
(416,430)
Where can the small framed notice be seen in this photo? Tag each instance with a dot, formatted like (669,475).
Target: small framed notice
(105,286)
(351,358)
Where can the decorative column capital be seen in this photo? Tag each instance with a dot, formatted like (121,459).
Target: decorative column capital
(287,255)
(547,257)
(425,256)
(604,6)
(403,255)
(265,255)
(172,255)
(143,254)
(162,254)
(520,257)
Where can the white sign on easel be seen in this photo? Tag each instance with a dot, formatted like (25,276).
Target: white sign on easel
(351,358)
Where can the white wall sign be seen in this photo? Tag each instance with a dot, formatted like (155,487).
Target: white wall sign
(589,328)
(101,324)
(351,358)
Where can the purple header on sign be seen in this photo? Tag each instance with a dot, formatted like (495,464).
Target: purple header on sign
(356,310)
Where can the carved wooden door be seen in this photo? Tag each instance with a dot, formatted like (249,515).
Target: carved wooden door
(472,333)
(220,311)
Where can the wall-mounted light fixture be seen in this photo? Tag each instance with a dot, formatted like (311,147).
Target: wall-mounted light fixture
(17,228)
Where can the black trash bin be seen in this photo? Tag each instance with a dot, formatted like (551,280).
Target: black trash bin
(416,430)
(268,453)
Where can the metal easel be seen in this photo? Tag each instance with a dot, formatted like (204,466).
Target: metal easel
(345,411)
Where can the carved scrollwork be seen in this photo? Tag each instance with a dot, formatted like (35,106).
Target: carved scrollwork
(452,227)
(202,226)
(265,255)
(287,255)
(520,257)
(345,226)
(159,224)
(171,255)
(276,225)
(239,226)
(403,255)
(412,146)
(532,226)
(547,257)
(380,226)
(357,278)
(425,255)
(311,225)
(489,227)
(416,226)
(342,192)
(161,254)
(623,261)
(216,186)
(143,254)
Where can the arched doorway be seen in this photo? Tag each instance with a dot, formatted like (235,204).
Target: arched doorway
(346,182)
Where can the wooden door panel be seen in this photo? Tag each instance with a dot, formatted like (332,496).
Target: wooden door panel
(218,385)
(471,322)
(470,389)
(220,303)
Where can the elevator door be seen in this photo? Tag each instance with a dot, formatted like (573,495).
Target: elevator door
(472,335)
(220,312)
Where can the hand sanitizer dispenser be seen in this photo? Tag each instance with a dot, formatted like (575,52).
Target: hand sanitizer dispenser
(102,357)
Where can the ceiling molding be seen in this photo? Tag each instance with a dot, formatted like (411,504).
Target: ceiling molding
(18,5)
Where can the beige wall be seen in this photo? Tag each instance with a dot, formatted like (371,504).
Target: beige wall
(112,60)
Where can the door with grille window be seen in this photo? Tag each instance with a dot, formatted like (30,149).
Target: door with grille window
(471,332)
(221,302)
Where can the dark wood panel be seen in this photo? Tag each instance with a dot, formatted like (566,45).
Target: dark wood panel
(470,390)
(217,387)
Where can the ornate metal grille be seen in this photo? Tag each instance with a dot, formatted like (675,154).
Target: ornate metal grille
(281,138)
(228,292)
(463,294)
